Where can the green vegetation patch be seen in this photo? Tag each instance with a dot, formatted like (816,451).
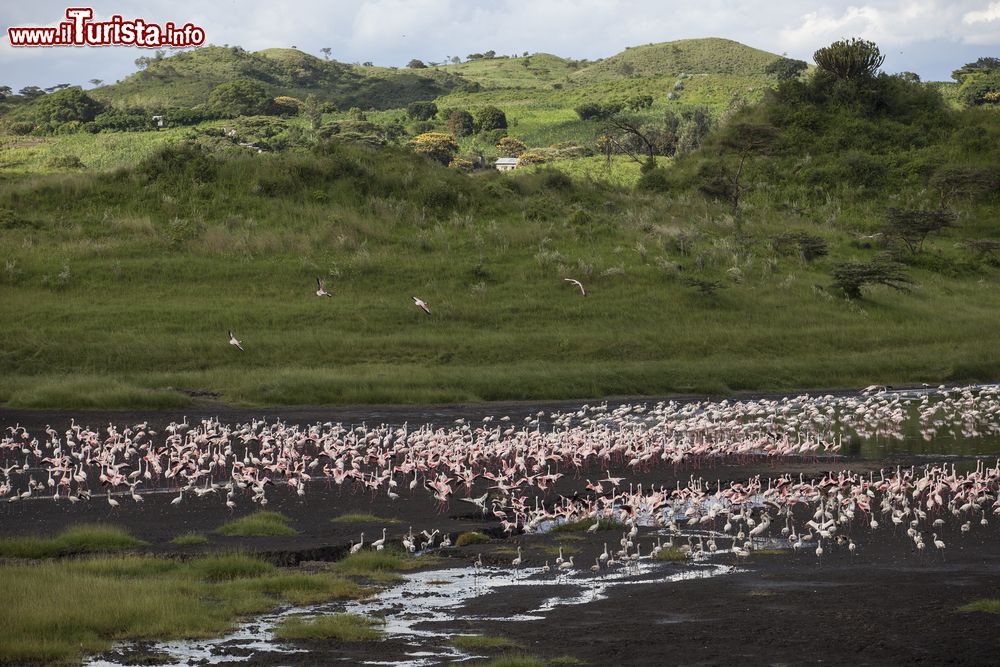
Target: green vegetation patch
(84,538)
(513,661)
(97,600)
(189,539)
(988,605)
(342,627)
(258,524)
(474,537)
(380,565)
(482,642)
(670,554)
(586,524)
(361,517)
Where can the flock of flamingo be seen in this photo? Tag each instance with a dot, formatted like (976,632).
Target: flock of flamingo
(516,465)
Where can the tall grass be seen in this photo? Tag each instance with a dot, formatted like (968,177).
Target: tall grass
(84,538)
(258,524)
(57,611)
(342,627)
(488,252)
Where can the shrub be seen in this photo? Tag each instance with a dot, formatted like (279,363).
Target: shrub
(259,524)
(511,147)
(243,97)
(530,158)
(491,118)
(461,123)
(436,145)
(67,105)
(421,110)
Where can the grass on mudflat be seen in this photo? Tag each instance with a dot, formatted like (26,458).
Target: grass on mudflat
(361,517)
(474,537)
(343,627)
(84,538)
(189,539)
(670,554)
(258,524)
(988,605)
(585,524)
(57,611)
(379,565)
(513,661)
(482,642)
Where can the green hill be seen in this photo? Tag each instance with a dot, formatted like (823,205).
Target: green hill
(186,79)
(687,56)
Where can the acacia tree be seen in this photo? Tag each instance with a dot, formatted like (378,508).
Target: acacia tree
(851,277)
(850,59)
(913,226)
(745,140)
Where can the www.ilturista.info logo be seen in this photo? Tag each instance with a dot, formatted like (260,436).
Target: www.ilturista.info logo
(79,30)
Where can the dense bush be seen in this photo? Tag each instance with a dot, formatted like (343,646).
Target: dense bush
(243,97)
(65,106)
(421,110)
(491,118)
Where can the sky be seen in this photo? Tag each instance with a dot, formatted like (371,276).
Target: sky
(929,37)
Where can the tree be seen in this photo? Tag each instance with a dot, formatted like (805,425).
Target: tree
(5,92)
(96,82)
(416,64)
(421,110)
(436,145)
(455,60)
(745,140)
(242,97)
(957,181)
(511,147)
(326,51)
(67,105)
(491,118)
(913,226)
(851,277)
(57,87)
(489,55)
(850,59)
(311,110)
(786,68)
(461,123)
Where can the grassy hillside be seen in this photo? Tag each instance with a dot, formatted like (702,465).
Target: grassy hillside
(126,285)
(187,78)
(716,272)
(686,56)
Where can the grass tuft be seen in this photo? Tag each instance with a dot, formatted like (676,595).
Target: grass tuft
(342,627)
(84,538)
(670,554)
(361,517)
(258,524)
(513,661)
(482,642)
(189,539)
(376,564)
(988,605)
(583,525)
(465,539)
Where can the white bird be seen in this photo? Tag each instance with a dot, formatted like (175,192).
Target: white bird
(578,284)
(235,343)
(378,544)
(422,305)
(112,501)
(355,548)
(517,561)
(321,288)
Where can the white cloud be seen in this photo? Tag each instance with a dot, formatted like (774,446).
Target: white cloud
(988,15)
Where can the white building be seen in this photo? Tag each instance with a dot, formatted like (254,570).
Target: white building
(506,163)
